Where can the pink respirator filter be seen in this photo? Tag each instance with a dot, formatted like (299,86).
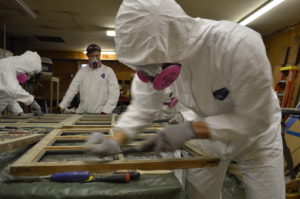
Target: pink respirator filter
(163,79)
(95,65)
(172,103)
(143,77)
(166,77)
(22,78)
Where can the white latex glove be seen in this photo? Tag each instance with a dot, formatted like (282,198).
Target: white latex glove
(99,144)
(170,138)
(36,109)
(177,119)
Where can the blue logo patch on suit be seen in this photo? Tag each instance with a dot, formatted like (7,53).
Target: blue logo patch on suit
(103,75)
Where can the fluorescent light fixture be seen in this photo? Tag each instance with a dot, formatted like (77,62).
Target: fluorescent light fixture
(261,11)
(26,9)
(111,33)
(83,65)
(108,53)
(103,52)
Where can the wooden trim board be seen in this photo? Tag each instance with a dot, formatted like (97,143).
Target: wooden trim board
(75,121)
(62,121)
(91,121)
(30,164)
(47,120)
(46,168)
(96,121)
(19,142)
(85,126)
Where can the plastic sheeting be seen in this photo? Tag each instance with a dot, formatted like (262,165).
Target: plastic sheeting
(233,188)
(148,187)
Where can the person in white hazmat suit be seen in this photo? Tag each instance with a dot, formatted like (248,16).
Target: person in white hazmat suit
(97,84)
(218,69)
(12,106)
(10,89)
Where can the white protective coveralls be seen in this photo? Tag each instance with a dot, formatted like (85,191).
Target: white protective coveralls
(225,79)
(187,114)
(13,106)
(98,88)
(10,89)
(166,112)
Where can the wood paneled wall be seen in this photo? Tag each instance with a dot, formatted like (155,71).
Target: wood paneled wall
(275,45)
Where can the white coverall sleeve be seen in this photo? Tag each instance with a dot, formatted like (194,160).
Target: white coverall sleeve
(113,92)
(14,107)
(72,91)
(145,103)
(14,90)
(250,89)
(188,114)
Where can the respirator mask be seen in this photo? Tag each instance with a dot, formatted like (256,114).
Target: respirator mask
(22,78)
(160,75)
(95,63)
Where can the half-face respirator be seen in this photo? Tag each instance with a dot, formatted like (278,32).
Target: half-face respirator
(22,78)
(164,76)
(95,63)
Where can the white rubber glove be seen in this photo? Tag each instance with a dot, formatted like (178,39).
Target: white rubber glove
(99,144)
(177,119)
(170,139)
(36,109)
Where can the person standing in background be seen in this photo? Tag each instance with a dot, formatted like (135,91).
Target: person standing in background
(97,84)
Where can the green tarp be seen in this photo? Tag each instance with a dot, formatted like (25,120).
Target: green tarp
(148,187)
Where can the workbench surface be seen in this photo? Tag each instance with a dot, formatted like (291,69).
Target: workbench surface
(149,186)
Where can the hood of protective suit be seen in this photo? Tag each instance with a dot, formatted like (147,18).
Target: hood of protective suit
(150,32)
(29,62)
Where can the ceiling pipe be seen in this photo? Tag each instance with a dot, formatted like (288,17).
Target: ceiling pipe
(26,9)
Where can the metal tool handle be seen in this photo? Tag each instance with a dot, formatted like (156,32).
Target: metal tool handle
(290,111)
